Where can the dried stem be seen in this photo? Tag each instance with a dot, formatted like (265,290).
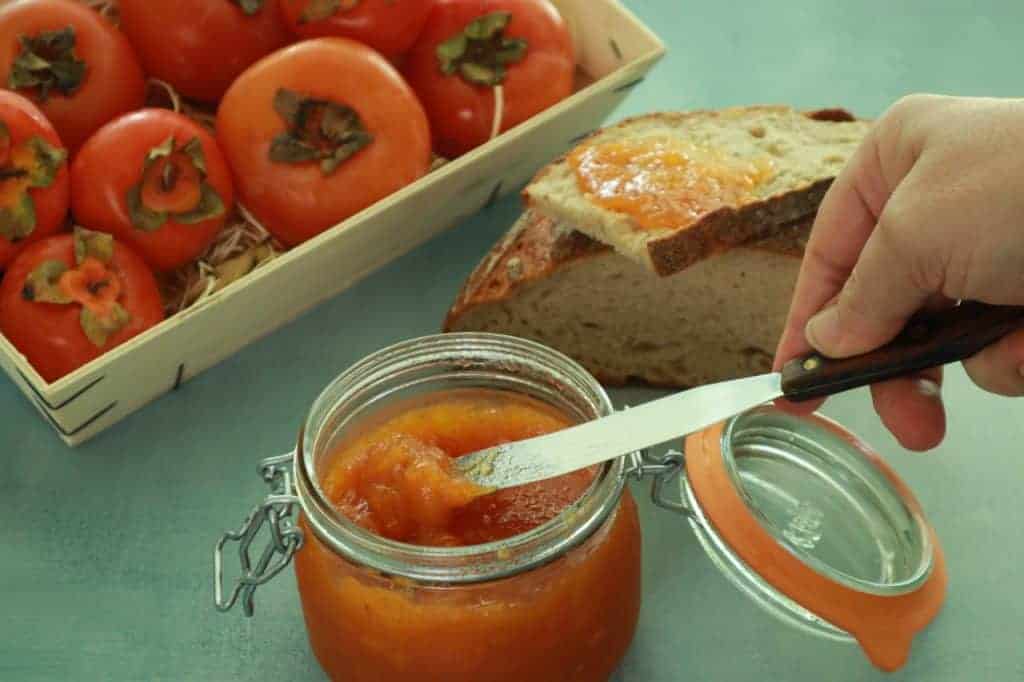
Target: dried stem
(499,110)
(155,86)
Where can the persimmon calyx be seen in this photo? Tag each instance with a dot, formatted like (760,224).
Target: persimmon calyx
(43,284)
(99,328)
(318,130)
(249,7)
(93,283)
(96,245)
(480,54)
(318,10)
(173,186)
(32,164)
(47,63)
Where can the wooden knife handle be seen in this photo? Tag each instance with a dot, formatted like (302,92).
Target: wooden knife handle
(927,341)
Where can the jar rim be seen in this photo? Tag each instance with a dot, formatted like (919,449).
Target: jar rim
(479,357)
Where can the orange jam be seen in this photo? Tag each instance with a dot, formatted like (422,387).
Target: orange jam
(664,182)
(397,480)
(572,618)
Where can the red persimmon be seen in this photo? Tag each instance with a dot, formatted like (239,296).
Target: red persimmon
(156,180)
(388,26)
(201,46)
(470,49)
(72,62)
(68,299)
(317,132)
(34,185)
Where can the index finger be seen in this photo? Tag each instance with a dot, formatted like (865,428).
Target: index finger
(845,220)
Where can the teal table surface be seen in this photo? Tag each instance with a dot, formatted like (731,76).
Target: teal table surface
(105,550)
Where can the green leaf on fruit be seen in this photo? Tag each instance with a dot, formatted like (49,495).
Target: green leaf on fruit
(143,218)
(47,161)
(317,130)
(288,149)
(249,7)
(480,53)
(98,329)
(18,220)
(43,284)
(47,62)
(318,10)
(210,206)
(90,244)
(193,149)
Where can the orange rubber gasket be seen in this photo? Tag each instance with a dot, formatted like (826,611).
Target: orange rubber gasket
(883,626)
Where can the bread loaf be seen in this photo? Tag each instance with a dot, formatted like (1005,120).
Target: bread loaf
(718,319)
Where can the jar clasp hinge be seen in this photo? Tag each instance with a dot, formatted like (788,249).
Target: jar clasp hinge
(661,469)
(278,512)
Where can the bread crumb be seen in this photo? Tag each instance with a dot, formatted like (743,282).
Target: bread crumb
(514,267)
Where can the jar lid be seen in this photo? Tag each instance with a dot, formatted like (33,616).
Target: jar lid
(815,527)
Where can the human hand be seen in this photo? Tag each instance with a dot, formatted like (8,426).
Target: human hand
(929,210)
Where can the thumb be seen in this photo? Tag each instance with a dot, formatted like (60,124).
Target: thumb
(878,298)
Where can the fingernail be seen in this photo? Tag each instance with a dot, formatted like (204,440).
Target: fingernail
(929,389)
(822,330)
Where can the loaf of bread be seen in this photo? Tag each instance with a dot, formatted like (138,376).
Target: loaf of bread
(718,319)
(726,177)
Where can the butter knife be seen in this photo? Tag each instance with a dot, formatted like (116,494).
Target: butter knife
(927,341)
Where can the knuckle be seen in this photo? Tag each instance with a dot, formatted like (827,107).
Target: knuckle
(899,137)
(907,125)
(913,103)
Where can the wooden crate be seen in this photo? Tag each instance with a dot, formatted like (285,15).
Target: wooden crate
(614,52)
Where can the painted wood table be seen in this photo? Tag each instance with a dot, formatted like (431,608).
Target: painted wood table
(105,551)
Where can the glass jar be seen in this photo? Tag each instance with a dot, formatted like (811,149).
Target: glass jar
(797,512)
(564,597)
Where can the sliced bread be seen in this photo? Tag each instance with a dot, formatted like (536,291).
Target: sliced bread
(744,173)
(718,320)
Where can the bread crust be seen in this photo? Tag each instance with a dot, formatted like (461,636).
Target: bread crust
(723,228)
(532,249)
(729,227)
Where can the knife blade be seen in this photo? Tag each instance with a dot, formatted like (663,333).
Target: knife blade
(646,425)
(951,335)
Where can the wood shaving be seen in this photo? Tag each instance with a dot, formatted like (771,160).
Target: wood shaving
(241,247)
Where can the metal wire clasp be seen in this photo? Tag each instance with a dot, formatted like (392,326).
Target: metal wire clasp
(661,470)
(278,513)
